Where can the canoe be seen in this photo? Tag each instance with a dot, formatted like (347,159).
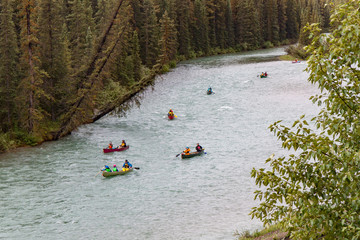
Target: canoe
(110,174)
(296,61)
(192,154)
(208,92)
(106,150)
(262,76)
(171,117)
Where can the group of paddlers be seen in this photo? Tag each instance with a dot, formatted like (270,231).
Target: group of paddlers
(263,74)
(198,148)
(126,167)
(122,145)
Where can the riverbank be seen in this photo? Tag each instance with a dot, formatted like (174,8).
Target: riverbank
(124,98)
(270,233)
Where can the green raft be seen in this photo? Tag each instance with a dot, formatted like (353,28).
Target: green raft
(110,174)
(192,154)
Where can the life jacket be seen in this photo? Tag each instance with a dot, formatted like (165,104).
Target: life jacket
(115,169)
(171,113)
(198,148)
(110,146)
(126,165)
(123,144)
(187,151)
(108,169)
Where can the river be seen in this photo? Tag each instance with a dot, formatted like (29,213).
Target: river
(51,191)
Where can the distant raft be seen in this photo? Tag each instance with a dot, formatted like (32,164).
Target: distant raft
(122,172)
(107,150)
(171,117)
(192,154)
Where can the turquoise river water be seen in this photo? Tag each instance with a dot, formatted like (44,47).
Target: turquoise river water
(51,192)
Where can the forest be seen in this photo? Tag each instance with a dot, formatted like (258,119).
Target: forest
(69,62)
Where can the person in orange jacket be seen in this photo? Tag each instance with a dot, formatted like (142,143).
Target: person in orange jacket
(187,151)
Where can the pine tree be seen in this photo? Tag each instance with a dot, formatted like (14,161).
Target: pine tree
(168,40)
(271,30)
(200,37)
(183,19)
(78,23)
(53,54)
(282,18)
(229,23)
(149,34)
(292,24)
(247,26)
(136,57)
(32,80)
(8,67)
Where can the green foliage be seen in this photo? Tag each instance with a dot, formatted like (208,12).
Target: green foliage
(314,191)
(297,51)
(268,44)
(6,142)
(110,94)
(25,138)
(273,232)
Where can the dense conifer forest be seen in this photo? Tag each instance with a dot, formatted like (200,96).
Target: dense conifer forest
(68,62)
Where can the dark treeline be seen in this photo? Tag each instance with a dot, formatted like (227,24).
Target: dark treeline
(67,62)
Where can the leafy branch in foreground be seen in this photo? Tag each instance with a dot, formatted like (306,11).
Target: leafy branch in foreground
(314,192)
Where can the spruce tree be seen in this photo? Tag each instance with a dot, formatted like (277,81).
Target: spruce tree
(149,34)
(136,57)
(8,67)
(200,35)
(31,83)
(183,19)
(168,40)
(53,55)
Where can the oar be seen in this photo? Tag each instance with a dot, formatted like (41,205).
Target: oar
(179,154)
(98,173)
(137,168)
(175,116)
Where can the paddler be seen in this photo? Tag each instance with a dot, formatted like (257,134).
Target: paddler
(170,113)
(187,151)
(115,168)
(126,166)
(106,168)
(198,147)
(123,144)
(110,145)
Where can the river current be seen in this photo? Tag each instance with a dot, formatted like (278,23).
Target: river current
(51,191)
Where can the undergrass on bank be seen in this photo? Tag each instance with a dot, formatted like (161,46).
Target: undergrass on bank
(272,232)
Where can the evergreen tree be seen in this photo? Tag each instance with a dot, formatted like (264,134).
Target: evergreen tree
(52,54)
(149,34)
(168,40)
(183,19)
(229,23)
(200,27)
(8,67)
(282,19)
(78,23)
(32,79)
(271,30)
(136,57)
(292,24)
(247,26)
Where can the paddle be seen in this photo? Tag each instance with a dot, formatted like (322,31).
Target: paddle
(98,173)
(137,168)
(175,116)
(178,154)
